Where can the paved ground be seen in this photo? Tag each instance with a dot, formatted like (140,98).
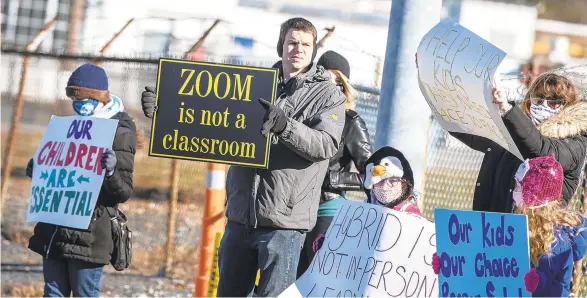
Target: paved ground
(113,284)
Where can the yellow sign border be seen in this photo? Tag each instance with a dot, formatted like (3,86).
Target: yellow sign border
(267,145)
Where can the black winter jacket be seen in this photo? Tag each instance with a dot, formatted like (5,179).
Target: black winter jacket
(355,147)
(95,244)
(563,134)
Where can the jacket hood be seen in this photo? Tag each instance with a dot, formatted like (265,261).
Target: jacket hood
(124,120)
(570,122)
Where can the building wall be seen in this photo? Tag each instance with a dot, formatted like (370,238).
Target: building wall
(514,34)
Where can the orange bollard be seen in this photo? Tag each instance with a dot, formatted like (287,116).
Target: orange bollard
(212,223)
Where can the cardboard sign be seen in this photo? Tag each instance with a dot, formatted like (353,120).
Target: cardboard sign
(67,173)
(483,254)
(211,112)
(455,72)
(371,251)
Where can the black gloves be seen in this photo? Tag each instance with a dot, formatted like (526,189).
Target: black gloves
(148,101)
(29,169)
(274,119)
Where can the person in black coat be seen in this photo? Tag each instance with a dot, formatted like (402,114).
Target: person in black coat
(550,119)
(355,148)
(74,259)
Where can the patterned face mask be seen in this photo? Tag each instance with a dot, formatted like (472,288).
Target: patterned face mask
(85,107)
(391,191)
(539,113)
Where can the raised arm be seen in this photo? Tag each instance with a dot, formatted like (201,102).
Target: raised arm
(568,150)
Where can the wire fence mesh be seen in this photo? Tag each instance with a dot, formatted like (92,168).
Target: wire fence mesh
(450,173)
(148,209)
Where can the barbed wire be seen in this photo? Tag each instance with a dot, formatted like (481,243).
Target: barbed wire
(577,78)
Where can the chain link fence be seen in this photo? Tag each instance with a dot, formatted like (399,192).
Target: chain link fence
(450,173)
(148,209)
(452,168)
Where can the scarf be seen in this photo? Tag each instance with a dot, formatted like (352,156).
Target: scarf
(111,108)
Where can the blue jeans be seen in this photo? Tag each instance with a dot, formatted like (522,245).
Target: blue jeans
(244,250)
(63,276)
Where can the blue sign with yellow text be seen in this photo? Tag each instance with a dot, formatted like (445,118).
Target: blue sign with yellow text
(482,254)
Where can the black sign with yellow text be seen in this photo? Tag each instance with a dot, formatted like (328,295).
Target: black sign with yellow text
(211,112)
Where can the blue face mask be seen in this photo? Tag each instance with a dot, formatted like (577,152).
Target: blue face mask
(85,107)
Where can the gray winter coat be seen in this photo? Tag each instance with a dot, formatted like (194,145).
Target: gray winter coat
(287,194)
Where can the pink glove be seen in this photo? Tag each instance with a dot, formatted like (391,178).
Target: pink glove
(435,263)
(318,242)
(531,280)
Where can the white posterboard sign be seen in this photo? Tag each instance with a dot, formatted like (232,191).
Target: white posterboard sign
(371,251)
(67,173)
(455,73)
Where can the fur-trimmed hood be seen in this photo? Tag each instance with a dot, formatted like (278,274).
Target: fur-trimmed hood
(570,122)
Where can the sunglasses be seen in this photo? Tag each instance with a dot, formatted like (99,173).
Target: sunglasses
(553,103)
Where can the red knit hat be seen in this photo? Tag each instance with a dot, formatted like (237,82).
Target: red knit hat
(539,181)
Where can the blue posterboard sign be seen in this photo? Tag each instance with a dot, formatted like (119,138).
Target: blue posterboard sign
(482,254)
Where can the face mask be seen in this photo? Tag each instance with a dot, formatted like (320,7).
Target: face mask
(539,113)
(85,107)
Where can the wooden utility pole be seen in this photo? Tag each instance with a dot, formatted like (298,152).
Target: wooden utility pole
(16,113)
(75,23)
(107,45)
(326,36)
(170,247)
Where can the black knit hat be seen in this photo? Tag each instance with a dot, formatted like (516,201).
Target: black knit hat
(334,60)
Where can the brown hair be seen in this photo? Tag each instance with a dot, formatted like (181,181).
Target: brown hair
(300,24)
(347,88)
(140,134)
(81,93)
(553,86)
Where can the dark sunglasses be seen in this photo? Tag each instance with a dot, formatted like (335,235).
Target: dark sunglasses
(551,102)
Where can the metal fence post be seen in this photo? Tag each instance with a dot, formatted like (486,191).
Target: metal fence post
(97,61)
(170,247)
(403,112)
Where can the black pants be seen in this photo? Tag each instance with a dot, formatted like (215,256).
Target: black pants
(307,253)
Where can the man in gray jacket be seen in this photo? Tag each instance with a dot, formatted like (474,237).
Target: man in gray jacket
(270,210)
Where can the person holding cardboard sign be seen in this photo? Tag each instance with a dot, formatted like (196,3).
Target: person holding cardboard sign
(355,148)
(74,258)
(557,234)
(270,210)
(552,118)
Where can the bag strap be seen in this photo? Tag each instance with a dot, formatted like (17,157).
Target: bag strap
(110,213)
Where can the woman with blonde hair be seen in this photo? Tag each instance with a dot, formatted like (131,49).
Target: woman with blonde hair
(557,235)
(355,148)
